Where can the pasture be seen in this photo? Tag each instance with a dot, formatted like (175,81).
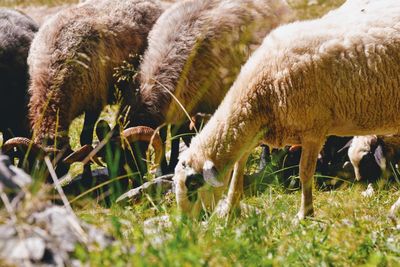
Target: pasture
(348,229)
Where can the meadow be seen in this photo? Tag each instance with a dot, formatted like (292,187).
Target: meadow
(348,229)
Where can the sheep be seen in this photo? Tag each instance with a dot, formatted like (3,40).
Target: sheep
(308,80)
(71,64)
(16,33)
(195,51)
(332,161)
(371,156)
(41,13)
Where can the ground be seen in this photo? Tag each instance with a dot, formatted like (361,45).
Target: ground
(347,230)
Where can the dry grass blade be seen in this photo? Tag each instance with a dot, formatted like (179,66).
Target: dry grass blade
(179,103)
(13,217)
(100,185)
(81,234)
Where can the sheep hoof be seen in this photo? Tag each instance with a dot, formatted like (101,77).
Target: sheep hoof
(223,209)
(301,215)
(297,219)
(393,218)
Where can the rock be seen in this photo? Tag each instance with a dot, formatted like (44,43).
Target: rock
(12,177)
(45,234)
(49,237)
(31,248)
(156,229)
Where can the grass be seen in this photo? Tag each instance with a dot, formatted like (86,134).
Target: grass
(348,229)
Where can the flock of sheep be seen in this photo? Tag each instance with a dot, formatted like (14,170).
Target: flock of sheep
(265,84)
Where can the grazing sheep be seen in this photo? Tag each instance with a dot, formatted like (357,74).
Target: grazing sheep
(371,155)
(308,80)
(16,33)
(331,162)
(72,61)
(195,52)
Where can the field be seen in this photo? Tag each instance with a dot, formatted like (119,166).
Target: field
(348,229)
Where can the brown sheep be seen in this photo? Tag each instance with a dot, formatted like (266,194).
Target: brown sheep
(195,51)
(16,33)
(72,61)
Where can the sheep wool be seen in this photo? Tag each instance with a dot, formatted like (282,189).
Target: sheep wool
(16,33)
(196,49)
(373,156)
(72,61)
(308,80)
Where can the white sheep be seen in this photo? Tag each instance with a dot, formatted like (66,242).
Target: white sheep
(367,157)
(374,156)
(308,80)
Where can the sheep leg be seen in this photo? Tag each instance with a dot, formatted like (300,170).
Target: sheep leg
(7,135)
(163,163)
(186,134)
(173,161)
(235,191)
(86,137)
(265,157)
(308,162)
(392,214)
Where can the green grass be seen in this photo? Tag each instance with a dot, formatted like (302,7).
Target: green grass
(348,230)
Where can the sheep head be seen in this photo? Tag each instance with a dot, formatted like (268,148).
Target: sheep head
(366,154)
(36,151)
(197,184)
(128,137)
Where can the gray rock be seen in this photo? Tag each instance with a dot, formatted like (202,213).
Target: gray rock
(46,236)
(156,230)
(12,177)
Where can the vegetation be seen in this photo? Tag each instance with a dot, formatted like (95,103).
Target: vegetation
(348,229)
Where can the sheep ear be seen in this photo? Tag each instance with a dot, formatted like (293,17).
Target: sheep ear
(379,157)
(347,145)
(210,174)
